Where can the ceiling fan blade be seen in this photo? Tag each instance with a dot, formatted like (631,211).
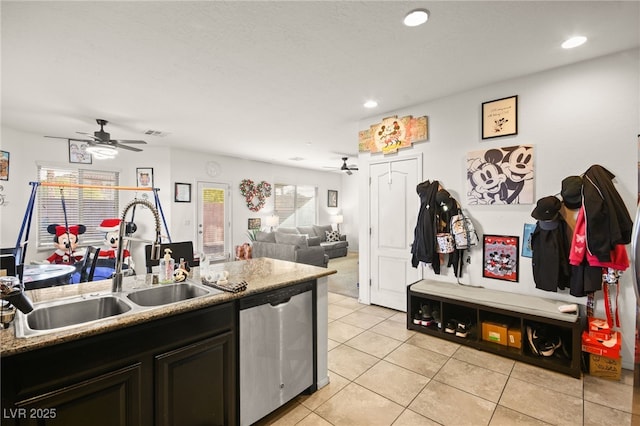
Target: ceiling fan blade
(70,139)
(128,141)
(353,168)
(130,148)
(90,135)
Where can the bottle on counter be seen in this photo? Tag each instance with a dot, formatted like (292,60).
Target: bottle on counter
(167,265)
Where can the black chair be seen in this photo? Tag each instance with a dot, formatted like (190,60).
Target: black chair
(182,250)
(88,267)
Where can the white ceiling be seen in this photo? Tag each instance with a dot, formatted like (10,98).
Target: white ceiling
(274,80)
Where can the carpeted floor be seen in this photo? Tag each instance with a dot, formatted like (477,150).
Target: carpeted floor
(345,282)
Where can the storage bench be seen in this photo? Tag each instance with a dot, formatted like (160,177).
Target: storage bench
(500,310)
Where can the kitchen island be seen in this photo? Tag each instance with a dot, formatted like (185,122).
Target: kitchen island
(172,364)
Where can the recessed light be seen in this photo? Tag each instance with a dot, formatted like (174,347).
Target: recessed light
(574,42)
(370,104)
(416,17)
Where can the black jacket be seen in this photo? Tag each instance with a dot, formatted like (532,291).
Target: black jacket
(608,220)
(424,242)
(550,263)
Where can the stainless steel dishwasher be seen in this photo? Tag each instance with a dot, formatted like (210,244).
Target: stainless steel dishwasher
(277,351)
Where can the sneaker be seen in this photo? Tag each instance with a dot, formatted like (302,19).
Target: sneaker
(462,330)
(427,318)
(436,319)
(533,338)
(548,346)
(451,326)
(417,318)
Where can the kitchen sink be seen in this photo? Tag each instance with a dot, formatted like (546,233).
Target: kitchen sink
(67,313)
(168,293)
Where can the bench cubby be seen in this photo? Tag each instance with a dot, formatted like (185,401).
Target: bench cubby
(477,305)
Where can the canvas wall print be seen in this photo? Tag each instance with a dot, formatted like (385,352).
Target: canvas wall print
(500,175)
(393,133)
(500,257)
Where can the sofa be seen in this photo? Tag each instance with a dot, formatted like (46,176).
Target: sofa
(334,244)
(291,247)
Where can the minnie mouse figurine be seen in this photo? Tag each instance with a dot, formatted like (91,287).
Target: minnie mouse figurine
(66,243)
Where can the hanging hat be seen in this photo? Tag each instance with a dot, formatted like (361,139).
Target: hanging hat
(109,225)
(547,208)
(572,192)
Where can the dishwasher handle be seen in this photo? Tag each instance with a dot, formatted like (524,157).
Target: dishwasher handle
(275,297)
(280,302)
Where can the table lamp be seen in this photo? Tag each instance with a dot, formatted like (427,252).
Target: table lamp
(272,222)
(338,219)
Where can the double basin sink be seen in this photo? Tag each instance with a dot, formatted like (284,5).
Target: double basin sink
(54,316)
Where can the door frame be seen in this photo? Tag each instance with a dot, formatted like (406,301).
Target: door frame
(365,217)
(228,216)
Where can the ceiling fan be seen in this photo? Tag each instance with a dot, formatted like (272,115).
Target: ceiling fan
(101,141)
(347,168)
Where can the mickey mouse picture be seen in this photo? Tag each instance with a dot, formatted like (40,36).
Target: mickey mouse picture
(66,243)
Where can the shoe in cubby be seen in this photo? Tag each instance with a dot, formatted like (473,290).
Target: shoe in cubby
(462,330)
(451,327)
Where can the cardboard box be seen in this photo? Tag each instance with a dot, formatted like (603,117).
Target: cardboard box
(514,338)
(599,328)
(494,332)
(604,367)
(608,348)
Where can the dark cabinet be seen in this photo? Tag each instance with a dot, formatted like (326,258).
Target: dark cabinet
(111,399)
(193,383)
(179,370)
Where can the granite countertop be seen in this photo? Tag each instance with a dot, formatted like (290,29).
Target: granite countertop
(261,274)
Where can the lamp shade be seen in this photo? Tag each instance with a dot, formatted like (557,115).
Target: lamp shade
(272,220)
(337,218)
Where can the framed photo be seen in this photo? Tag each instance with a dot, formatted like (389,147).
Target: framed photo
(254,223)
(182,193)
(144,177)
(500,117)
(4,165)
(78,152)
(526,239)
(500,257)
(332,198)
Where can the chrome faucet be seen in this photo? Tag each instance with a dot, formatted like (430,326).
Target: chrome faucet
(116,286)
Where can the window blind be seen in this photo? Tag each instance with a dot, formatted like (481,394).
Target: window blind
(84,206)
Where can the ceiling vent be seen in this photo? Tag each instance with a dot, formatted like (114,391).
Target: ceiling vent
(156,133)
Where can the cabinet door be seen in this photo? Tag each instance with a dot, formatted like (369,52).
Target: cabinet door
(195,384)
(111,399)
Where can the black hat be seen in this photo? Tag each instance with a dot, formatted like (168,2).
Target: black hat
(572,192)
(547,208)
(442,197)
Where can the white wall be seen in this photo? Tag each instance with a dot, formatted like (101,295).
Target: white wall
(574,116)
(169,166)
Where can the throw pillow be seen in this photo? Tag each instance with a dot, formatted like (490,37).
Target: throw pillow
(266,237)
(321,231)
(333,236)
(300,241)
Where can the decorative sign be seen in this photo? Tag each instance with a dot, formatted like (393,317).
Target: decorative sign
(392,134)
(500,117)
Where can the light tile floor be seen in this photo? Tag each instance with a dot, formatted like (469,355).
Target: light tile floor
(383,374)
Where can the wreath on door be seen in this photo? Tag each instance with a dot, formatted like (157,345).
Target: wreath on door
(255,195)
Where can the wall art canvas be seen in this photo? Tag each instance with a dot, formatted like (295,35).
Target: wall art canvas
(500,257)
(392,134)
(254,223)
(501,175)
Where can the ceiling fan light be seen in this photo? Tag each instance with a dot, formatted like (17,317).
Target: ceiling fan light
(102,152)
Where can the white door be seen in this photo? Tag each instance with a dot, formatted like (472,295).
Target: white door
(214,232)
(394,212)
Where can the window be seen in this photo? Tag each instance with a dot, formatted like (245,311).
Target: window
(296,205)
(84,206)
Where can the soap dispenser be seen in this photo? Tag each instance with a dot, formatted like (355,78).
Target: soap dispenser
(167,265)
